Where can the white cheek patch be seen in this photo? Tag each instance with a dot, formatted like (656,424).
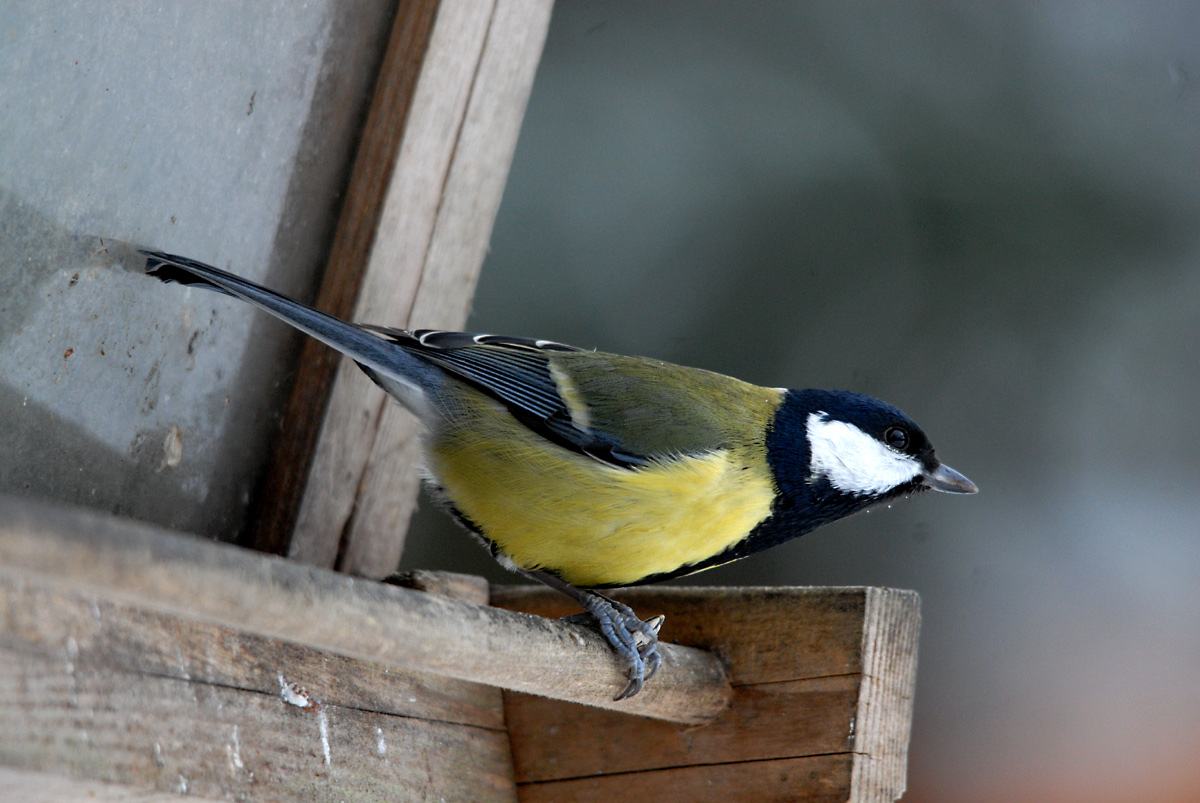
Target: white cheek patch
(853,461)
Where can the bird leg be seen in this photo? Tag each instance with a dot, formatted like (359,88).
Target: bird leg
(635,640)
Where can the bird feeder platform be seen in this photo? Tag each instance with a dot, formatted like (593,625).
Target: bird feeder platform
(137,662)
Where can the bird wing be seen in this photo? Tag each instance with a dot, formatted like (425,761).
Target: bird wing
(623,411)
(518,372)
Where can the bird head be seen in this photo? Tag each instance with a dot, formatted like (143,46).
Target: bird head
(835,452)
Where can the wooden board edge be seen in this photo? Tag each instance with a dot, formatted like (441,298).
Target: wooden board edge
(817,779)
(883,719)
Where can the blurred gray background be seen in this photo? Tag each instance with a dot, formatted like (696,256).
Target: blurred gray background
(985,214)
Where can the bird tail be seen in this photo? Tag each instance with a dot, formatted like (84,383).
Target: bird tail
(181,270)
(382,359)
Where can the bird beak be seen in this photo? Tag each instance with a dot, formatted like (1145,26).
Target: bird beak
(948,480)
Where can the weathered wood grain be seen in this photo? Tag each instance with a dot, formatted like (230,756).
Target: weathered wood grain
(819,675)
(816,779)
(109,690)
(99,617)
(765,634)
(44,787)
(458,243)
(89,629)
(433,231)
(448,584)
(885,705)
(764,721)
(283,485)
(192,737)
(365,620)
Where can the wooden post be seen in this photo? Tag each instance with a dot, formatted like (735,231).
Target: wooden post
(391,103)
(419,212)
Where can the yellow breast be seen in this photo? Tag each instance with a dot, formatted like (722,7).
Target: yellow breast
(546,507)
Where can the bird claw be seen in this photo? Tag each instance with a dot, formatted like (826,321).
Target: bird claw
(634,640)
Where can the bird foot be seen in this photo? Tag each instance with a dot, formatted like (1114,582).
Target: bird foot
(635,640)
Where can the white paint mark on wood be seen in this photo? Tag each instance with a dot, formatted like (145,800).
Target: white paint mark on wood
(324,722)
(380,744)
(234,751)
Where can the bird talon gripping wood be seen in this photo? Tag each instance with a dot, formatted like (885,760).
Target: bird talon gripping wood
(589,470)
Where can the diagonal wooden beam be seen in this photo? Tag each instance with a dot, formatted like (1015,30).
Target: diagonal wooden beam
(398,627)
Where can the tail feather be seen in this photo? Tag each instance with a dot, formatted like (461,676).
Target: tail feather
(170,268)
(401,373)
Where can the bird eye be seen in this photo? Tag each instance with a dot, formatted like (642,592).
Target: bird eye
(897,438)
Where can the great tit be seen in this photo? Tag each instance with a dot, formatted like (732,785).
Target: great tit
(586,470)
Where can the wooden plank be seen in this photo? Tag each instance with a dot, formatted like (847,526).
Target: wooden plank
(43,787)
(765,634)
(433,232)
(448,584)
(470,199)
(816,672)
(192,737)
(279,499)
(89,629)
(816,779)
(156,678)
(355,418)
(764,721)
(370,621)
(885,705)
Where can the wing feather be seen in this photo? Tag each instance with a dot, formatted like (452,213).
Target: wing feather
(515,371)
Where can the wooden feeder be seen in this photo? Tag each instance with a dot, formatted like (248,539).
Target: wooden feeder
(138,664)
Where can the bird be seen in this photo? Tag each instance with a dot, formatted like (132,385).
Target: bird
(587,471)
